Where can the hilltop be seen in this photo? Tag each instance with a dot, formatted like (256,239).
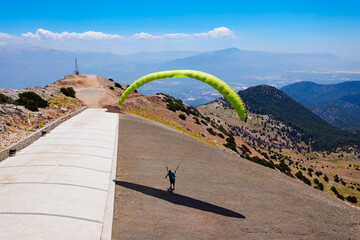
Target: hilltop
(91,90)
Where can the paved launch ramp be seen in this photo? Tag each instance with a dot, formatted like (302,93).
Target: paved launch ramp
(61,186)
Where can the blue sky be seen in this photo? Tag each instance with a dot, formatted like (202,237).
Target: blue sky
(277,26)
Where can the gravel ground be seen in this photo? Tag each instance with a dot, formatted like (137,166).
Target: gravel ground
(218,195)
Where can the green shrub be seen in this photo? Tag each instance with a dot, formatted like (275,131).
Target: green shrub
(182,116)
(245,149)
(326,179)
(171,107)
(110,79)
(341,197)
(112,88)
(231,144)
(320,186)
(223,130)
(284,168)
(273,157)
(318,173)
(31,101)
(221,135)
(336,178)
(334,190)
(197,120)
(6,99)
(118,85)
(211,131)
(174,104)
(69,92)
(267,156)
(337,193)
(351,199)
(207,119)
(203,122)
(342,182)
(260,161)
(300,176)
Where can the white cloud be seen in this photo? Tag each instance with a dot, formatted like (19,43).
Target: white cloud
(220,32)
(42,34)
(144,35)
(4,35)
(176,35)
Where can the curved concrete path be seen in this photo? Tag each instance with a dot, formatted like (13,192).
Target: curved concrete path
(218,195)
(61,186)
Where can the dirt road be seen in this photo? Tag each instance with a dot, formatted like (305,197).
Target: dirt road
(218,195)
(93,91)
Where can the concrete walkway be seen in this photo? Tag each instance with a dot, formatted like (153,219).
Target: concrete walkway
(61,186)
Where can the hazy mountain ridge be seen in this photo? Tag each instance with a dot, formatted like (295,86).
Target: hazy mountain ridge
(23,66)
(338,104)
(313,94)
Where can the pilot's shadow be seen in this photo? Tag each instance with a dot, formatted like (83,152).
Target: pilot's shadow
(180,199)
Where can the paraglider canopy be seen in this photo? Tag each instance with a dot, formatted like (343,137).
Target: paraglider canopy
(221,86)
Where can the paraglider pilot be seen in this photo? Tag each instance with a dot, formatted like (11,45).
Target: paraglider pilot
(171,179)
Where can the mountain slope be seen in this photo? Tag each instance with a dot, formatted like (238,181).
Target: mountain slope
(218,195)
(269,100)
(338,104)
(312,94)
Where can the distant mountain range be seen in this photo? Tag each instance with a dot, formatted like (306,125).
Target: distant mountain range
(338,104)
(22,66)
(267,100)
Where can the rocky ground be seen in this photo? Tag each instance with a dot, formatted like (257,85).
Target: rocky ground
(17,122)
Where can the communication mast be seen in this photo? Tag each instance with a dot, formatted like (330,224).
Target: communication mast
(76,72)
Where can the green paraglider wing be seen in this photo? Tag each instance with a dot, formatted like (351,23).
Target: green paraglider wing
(221,86)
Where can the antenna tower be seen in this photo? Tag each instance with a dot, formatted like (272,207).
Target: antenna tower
(76,72)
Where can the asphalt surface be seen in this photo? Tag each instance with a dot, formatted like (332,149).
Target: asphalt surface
(60,187)
(218,195)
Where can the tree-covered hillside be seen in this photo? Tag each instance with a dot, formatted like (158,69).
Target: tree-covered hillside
(338,104)
(323,136)
(313,94)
